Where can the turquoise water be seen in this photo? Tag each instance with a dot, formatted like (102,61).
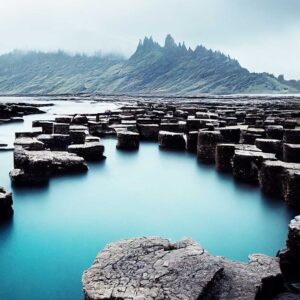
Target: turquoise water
(57,230)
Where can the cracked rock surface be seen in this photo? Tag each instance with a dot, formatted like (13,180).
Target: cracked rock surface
(155,268)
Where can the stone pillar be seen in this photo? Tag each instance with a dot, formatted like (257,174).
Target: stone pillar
(128,140)
(171,140)
(191,141)
(290,256)
(6,202)
(224,155)
(207,142)
(291,188)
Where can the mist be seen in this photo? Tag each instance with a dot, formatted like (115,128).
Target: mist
(262,35)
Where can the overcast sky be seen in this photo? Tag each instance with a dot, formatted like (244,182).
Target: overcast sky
(264,35)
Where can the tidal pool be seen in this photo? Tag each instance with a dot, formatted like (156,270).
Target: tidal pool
(57,230)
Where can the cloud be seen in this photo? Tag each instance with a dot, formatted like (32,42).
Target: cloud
(248,30)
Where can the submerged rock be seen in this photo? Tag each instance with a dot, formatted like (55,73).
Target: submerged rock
(155,268)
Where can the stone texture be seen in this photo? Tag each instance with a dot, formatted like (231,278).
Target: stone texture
(148,131)
(224,155)
(29,143)
(128,140)
(207,143)
(155,268)
(6,203)
(270,146)
(171,140)
(36,167)
(191,141)
(291,187)
(291,153)
(89,151)
(290,257)
(246,164)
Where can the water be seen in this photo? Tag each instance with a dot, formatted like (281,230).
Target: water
(57,230)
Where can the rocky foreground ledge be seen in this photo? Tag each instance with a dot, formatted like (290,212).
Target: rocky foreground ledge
(155,268)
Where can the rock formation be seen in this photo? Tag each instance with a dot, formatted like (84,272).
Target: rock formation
(6,203)
(155,268)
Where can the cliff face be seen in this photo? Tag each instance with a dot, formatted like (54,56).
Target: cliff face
(153,69)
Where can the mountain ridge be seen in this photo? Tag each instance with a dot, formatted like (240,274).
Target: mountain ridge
(152,69)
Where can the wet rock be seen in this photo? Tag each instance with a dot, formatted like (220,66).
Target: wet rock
(55,142)
(61,128)
(290,257)
(92,139)
(36,131)
(173,127)
(191,141)
(230,134)
(47,126)
(148,131)
(270,146)
(291,153)
(29,143)
(155,268)
(79,119)
(224,155)
(89,151)
(36,167)
(274,132)
(291,136)
(63,119)
(128,140)
(77,136)
(206,147)
(194,124)
(291,187)
(6,203)
(171,140)
(246,164)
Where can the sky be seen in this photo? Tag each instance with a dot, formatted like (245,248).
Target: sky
(263,35)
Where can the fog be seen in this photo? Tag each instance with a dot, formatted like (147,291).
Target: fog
(264,35)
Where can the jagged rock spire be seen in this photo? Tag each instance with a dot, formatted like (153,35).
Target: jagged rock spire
(169,42)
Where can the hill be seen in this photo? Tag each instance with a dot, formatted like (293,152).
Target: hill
(152,69)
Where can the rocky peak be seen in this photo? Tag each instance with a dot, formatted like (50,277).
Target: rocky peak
(170,42)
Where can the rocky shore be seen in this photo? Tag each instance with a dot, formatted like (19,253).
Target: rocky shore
(156,268)
(258,142)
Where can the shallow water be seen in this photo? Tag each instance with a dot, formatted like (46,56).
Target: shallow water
(57,230)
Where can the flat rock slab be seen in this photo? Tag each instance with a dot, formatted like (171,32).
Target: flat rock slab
(155,268)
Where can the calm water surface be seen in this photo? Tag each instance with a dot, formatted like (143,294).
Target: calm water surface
(57,230)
